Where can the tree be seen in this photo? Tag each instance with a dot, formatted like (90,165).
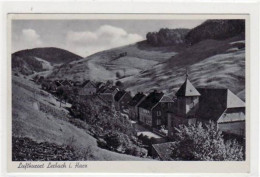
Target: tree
(112,140)
(204,142)
(118,75)
(119,84)
(109,83)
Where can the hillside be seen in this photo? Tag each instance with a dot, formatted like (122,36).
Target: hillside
(40,59)
(222,67)
(213,52)
(104,65)
(39,122)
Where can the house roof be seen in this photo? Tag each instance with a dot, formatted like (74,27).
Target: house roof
(86,82)
(234,101)
(136,99)
(163,150)
(110,89)
(102,89)
(151,100)
(119,95)
(187,89)
(214,101)
(66,82)
(232,115)
(166,99)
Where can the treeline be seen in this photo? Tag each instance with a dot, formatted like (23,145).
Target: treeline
(216,29)
(166,37)
(27,65)
(210,29)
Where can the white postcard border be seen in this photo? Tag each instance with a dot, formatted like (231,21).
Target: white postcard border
(166,166)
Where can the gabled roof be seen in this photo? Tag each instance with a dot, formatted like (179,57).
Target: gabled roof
(66,82)
(136,99)
(110,89)
(234,101)
(151,100)
(119,95)
(88,82)
(166,99)
(187,89)
(164,150)
(232,115)
(214,101)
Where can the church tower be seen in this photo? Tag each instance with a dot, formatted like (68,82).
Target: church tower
(187,100)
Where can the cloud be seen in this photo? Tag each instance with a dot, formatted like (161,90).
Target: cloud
(30,37)
(105,37)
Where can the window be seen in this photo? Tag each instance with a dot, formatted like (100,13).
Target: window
(159,113)
(158,121)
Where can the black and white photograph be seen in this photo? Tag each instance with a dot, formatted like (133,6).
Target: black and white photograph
(128,89)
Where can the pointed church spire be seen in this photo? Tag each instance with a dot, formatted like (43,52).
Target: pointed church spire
(187,89)
(187,75)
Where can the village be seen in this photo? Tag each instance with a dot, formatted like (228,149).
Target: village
(155,116)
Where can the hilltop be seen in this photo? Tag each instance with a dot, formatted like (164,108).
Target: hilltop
(215,29)
(40,59)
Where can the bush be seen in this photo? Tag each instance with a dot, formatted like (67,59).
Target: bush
(112,140)
(198,142)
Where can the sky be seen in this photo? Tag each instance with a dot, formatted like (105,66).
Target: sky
(85,37)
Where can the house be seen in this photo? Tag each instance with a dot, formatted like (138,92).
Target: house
(204,104)
(162,151)
(153,109)
(67,83)
(87,88)
(133,106)
(223,107)
(122,99)
(108,93)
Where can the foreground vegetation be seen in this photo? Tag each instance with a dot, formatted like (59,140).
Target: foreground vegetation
(206,143)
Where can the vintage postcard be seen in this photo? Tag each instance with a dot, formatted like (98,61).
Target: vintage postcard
(128,93)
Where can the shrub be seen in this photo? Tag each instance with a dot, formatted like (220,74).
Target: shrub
(198,142)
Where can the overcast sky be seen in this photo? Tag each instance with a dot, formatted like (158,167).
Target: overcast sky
(85,37)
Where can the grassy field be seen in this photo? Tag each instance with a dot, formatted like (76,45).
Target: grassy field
(36,115)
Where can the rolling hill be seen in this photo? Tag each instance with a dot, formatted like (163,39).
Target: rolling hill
(40,59)
(104,65)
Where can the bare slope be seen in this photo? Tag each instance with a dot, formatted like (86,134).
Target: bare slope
(104,65)
(40,119)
